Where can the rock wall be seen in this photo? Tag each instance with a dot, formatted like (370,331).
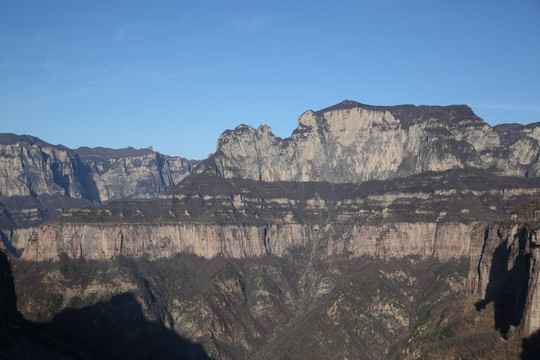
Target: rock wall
(352,142)
(31,167)
(503,256)
(38,180)
(133,173)
(506,270)
(397,240)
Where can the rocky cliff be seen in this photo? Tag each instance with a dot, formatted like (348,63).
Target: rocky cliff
(434,214)
(353,182)
(39,181)
(506,271)
(351,142)
(133,173)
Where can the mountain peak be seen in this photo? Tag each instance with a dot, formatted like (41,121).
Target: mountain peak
(352,142)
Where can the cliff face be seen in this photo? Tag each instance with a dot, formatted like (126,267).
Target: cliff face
(433,214)
(353,181)
(133,174)
(352,142)
(32,167)
(39,181)
(506,270)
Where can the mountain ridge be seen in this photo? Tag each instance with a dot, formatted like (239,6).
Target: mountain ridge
(337,145)
(326,229)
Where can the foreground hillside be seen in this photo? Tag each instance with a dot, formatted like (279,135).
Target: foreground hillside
(371,232)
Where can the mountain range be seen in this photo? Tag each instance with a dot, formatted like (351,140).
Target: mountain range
(371,232)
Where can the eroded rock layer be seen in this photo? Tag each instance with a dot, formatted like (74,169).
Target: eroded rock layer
(356,182)
(434,214)
(38,181)
(351,142)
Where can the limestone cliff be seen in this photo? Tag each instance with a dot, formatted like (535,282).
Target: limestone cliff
(506,270)
(133,173)
(39,181)
(432,215)
(351,142)
(351,181)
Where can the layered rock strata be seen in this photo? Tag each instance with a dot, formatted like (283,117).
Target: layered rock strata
(38,180)
(351,142)
(352,179)
(209,216)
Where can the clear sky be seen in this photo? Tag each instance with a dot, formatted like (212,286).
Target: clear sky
(175,74)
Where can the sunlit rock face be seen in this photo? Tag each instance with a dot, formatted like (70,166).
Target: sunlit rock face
(30,166)
(133,173)
(351,142)
(39,181)
(418,199)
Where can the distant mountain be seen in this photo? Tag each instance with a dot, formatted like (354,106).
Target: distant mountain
(352,142)
(38,180)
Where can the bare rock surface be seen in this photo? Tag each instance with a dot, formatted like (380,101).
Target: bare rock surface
(275,224)
(352,142)
(39,181)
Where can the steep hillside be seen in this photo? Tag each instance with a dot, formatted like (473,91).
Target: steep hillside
(20,339)
(295,306)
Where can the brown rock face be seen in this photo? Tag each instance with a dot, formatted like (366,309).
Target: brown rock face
(209,216)
(505,271)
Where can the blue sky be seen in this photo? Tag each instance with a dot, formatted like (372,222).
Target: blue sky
(175,74)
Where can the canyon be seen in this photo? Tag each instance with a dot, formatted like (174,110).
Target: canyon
(412,226)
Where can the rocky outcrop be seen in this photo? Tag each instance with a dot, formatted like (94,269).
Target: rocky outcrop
(433,215)
(506,270)
(38,180)
(133,173)
(351,142)
(31,167)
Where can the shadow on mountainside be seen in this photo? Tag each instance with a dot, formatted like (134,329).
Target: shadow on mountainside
(531,347)
(118,329)
(507,289)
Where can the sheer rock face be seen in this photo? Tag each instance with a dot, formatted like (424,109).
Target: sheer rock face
(384,185)
(429,215)
(398,240)
(351,142)
(31,167)
(133,174)
(39,181)
(504,268)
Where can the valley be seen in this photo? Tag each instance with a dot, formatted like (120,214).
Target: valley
(396,232)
